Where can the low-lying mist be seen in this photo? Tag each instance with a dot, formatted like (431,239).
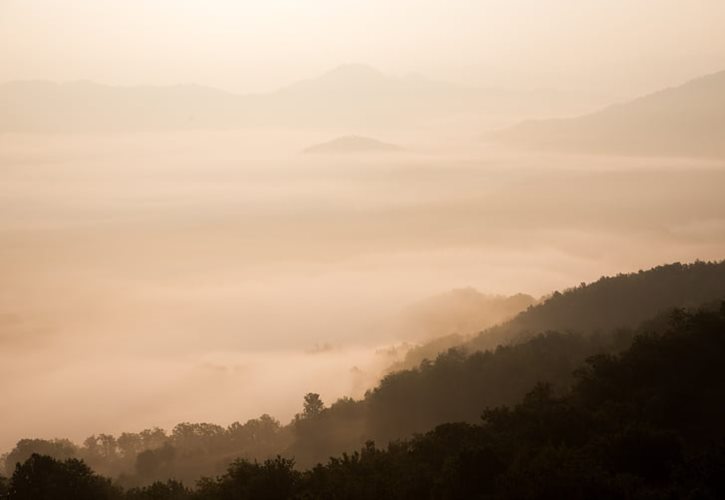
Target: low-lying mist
(157,278)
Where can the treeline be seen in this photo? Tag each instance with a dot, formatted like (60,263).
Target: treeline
(645,423)
(189,451)
(454,387)
(612,302)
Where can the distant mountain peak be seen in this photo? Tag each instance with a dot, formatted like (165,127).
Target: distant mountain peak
(686,120)
(346,76)
(353,144)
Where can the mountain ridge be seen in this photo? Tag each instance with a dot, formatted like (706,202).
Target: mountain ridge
(351,144)
(349,96)
(682,120)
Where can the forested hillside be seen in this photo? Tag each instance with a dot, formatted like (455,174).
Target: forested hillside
(337,250)
(545,344)
(646,423)
(610,303)
(621,301)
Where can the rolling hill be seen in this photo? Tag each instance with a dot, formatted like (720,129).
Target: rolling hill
(688,120)
(613,302)
(459,385)
(349,96)
(351,144)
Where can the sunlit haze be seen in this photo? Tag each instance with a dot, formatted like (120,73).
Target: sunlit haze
(615,47)
(209,209)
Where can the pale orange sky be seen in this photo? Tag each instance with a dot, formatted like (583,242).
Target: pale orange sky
(623,47)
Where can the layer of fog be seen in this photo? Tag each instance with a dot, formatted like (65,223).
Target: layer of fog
(153,279)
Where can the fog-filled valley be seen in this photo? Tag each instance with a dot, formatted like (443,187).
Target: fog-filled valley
(199,263)
(362,250)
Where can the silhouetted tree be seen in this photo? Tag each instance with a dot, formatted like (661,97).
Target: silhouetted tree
(666,387)
(45,478)
(169,490)
(274,479)
(149,462)
(645,423)
(313,405)
(60,449)
(3,487)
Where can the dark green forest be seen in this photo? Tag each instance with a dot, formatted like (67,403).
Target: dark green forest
(609,390)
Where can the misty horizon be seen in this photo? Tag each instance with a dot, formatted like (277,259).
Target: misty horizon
(453,241)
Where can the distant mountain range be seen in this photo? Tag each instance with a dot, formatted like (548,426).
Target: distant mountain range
(40,106)
(688,120)
(349,96)
(350,144)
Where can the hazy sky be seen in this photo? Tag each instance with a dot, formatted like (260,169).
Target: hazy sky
(618,46)
(143,269)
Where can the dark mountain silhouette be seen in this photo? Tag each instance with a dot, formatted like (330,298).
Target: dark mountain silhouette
(349,96)
(543,344)
(353,144)
(688,120)
(613,302)
(610,303)
(460,384)
(642,423)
